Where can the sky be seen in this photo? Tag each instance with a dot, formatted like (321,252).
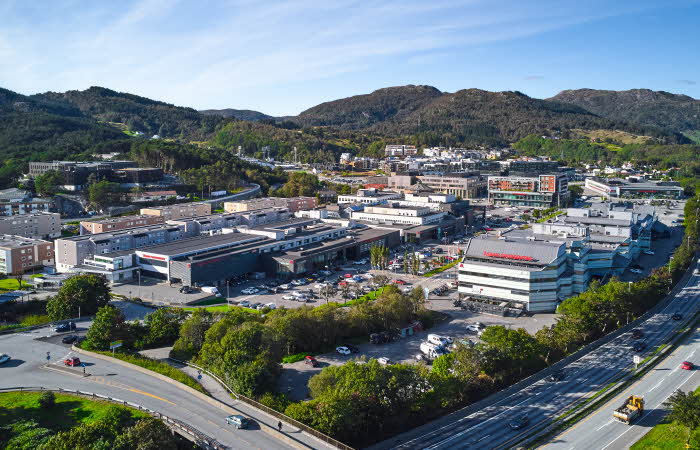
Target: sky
(282,57)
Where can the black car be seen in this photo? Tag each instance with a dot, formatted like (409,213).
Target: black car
(639,346)
(352,348)
(63,327)
(677,316)
(519,423)
(556,376)
(70,339)
(637,334)
(186,290)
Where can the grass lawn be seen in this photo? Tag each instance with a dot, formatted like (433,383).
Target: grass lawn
(223,309)
(70,410)
(10,284)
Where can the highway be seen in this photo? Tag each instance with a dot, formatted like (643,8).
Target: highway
(542,401)
(28,368)
(600,431)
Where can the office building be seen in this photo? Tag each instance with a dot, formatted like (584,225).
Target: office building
(543,191)
(371,196)
(633,188)
(466,187)
(400,150)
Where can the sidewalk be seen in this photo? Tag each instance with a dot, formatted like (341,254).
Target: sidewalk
(219,393)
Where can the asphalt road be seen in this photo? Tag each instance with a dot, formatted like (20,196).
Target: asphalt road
(600,431)
(543,400)
(29,368)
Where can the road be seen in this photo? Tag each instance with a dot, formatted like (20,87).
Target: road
(600,431)
(543,400)
(28,367)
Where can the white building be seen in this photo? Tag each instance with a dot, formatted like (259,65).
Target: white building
(406,215)
(369,197)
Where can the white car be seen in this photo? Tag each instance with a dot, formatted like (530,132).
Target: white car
(284,286)
(271,305)
(288,297)
(343,350)
(384,361)
(360,262)
(636,271)
(250,291)
(4,358)
(648,252)
(244,303)
(473,328)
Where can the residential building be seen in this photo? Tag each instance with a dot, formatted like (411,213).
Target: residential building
(178,211)
(400,150)
(371,196)
(19,254)
(15,201)
(294,204)
(543,191)
(37,225)
(118,223)
(466,187)
(633,188)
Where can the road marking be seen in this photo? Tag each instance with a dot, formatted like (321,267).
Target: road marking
(151,395)
(603,426)
(657,385)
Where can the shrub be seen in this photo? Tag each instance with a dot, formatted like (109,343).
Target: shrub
(47,400)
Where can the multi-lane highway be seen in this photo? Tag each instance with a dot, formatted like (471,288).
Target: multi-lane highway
(28,368)
(600,431)
(542,401)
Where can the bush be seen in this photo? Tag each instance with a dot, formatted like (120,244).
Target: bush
(35,319)
(294,358)
(47,400)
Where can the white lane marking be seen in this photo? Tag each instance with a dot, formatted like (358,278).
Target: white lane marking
(483,438)
(604,425)
(657,385)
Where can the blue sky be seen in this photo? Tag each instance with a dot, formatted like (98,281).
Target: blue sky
(283,57)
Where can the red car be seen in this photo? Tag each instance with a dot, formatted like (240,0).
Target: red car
(310,360)
(399,282)
(686,365)
(73,361)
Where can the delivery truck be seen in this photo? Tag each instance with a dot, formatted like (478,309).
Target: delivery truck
(631,410)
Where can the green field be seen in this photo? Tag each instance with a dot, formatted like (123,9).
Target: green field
(222,309)
(69,411)
(10,284)
(665,436)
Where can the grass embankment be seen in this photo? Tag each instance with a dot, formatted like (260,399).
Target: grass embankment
(441,268)
(666,435)
(158,367)
(69,411)
(11,284)
(222,309)
(365,298)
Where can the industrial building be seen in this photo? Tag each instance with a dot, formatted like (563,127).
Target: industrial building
(633,188)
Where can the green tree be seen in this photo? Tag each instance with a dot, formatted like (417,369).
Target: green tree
(192,335)
(162,327)
(47,400)
(148,434)
(80,294)
(684,408)
(47,183)
(109,325)
(102,193)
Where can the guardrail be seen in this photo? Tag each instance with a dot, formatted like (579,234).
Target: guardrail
(317,434)
(199,438)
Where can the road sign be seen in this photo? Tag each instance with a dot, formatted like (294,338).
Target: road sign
(637,359)
(115,344)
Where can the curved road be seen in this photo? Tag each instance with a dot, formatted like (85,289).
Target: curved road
(600,431)
(542,401)
(28,368)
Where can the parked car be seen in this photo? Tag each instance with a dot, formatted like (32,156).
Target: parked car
(401,282)
(360,262)
(310,360)
(238,421)
(677,316)
(255,305)
(245,304)
(70,339)
(352,348)
(250,291)
(473,328)
(4,357)
(186,290)
(72,361)
(288,297)
(343,350)
(519,423)
(384,361)
(63,327)
(637,271)
(687,365)
(648,252)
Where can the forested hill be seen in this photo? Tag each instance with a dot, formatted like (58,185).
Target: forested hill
(469,116)
(137,113)
(674,112)
(240,114)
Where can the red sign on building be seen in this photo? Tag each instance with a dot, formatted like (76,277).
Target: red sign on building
(508,256)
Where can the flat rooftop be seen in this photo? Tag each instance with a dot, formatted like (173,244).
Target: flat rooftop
(199,243)
(10,241)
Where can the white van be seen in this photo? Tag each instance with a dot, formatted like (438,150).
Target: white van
(436,339)
(211,290)
(431,350)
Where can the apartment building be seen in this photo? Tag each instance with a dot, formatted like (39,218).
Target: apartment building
(293,204)
(15,201)
(543,191)
(19,254)
(400,150)
(37,225)
(473,186)
(371,196)
(118,223)
(178,211)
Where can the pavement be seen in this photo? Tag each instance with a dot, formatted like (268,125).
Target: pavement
(541,401)
(28,367)
(600,431)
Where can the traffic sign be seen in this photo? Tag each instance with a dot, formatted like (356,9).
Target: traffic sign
(115,344)
(637,359)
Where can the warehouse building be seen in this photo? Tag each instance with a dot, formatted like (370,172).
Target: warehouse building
(633,188)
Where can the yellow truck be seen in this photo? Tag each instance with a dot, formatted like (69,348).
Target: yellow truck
(631,410)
